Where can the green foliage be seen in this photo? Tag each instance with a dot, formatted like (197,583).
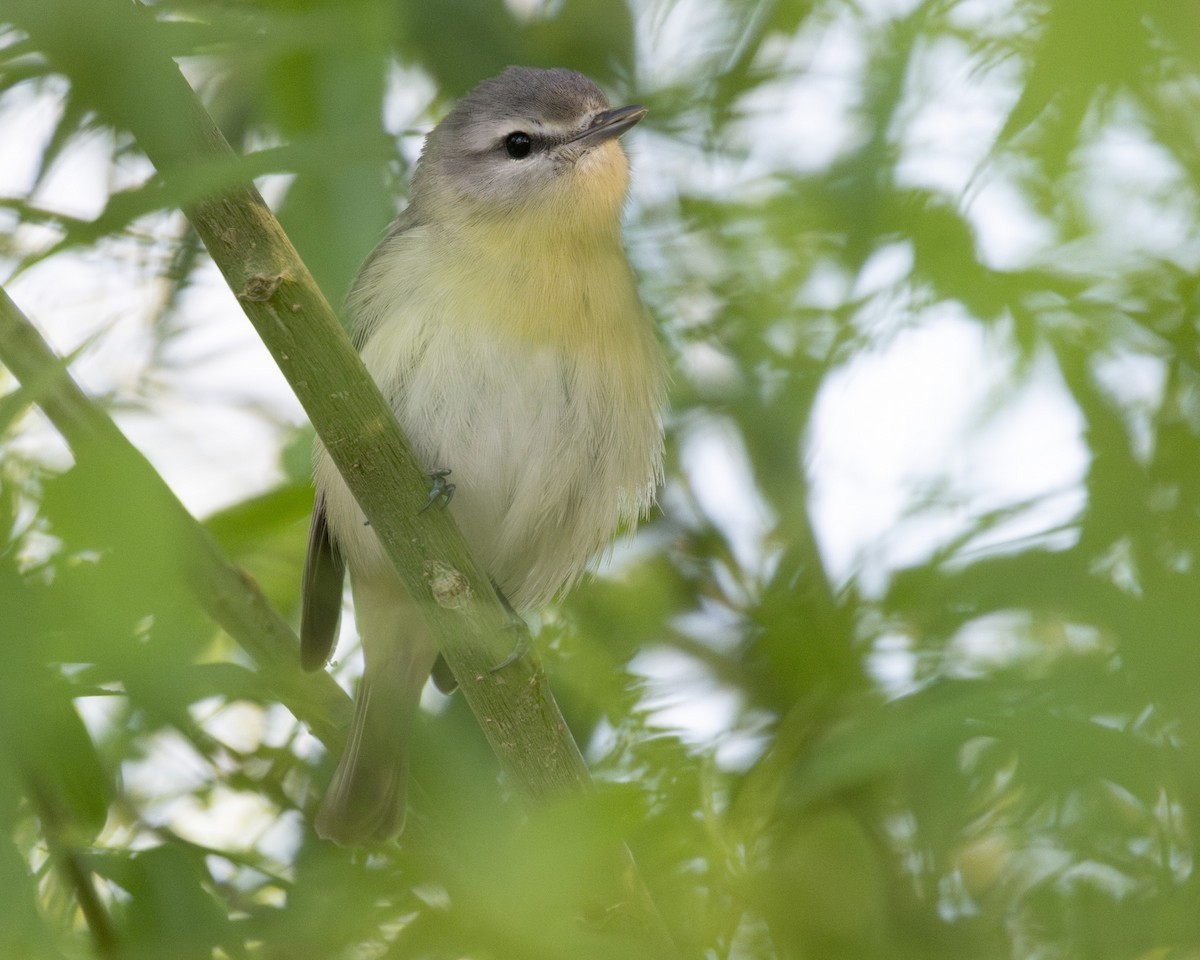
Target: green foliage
(1026,789)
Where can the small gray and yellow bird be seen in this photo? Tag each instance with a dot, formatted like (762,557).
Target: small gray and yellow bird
(500,318)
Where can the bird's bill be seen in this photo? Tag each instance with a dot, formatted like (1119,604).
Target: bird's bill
(609,124)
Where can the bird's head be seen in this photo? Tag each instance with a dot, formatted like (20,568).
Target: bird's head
(529,143)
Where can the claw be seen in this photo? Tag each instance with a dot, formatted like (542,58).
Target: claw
(524,642)
(524,638)
(440,492)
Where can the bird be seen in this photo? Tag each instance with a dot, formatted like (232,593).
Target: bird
(501,319)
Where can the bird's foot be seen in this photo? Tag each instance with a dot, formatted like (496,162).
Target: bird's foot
(520,648)
(441,492)
(524,637)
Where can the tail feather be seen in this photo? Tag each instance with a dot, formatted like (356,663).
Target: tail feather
(365,801)
(364,804)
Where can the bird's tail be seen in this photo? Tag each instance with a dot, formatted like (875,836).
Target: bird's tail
(365,802)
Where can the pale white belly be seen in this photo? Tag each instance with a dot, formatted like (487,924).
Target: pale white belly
(549,456)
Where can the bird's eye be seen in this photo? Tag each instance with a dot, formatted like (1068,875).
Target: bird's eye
(518,145)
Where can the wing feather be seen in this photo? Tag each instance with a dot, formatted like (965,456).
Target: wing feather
(324,574)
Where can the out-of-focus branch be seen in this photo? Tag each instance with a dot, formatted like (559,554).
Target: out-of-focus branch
(229,597)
